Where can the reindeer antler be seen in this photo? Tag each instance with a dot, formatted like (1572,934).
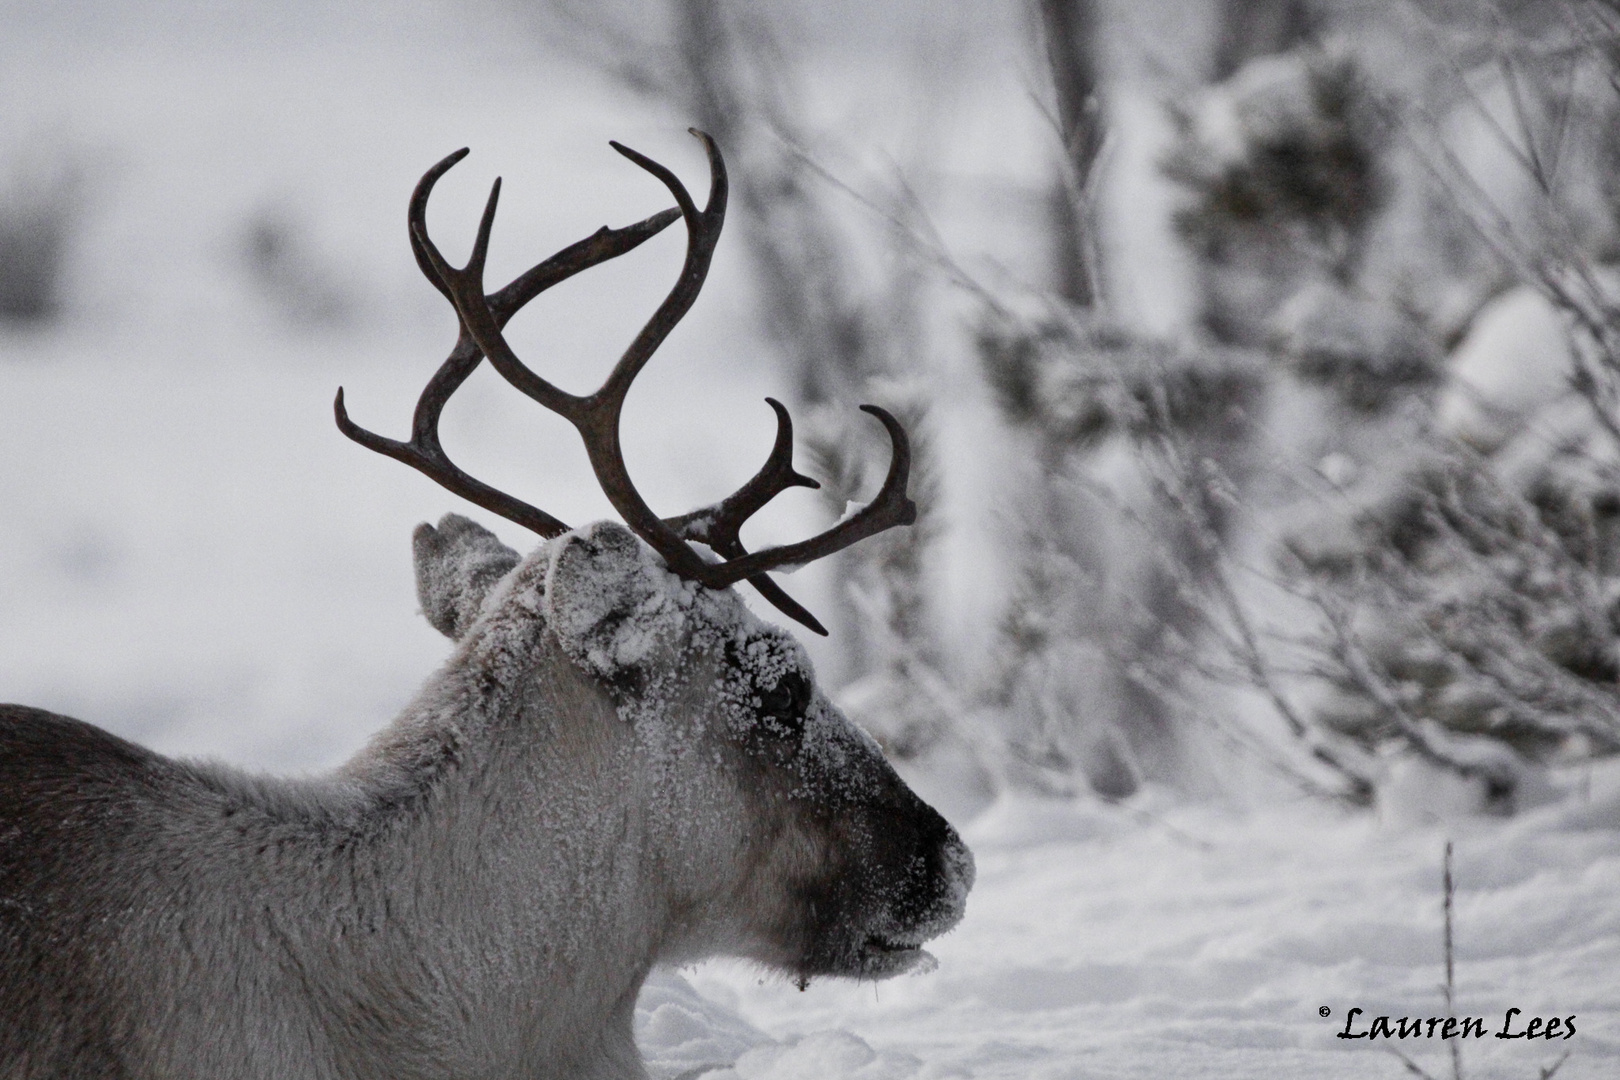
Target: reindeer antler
(423,451)
(596,416)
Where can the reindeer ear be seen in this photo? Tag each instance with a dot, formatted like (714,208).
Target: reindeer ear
(456,566)
(609,601)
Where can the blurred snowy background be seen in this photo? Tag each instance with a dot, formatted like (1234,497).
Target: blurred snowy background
(1263,360)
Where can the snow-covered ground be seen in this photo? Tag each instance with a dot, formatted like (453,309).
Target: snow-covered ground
(191,555)
(1180,941)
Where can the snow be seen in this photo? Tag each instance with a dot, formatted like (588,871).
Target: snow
(192,556)
(1193,943)
(1491,384)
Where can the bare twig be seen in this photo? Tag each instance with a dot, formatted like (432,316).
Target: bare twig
(1451,981)
(1411,1066)
(916,228)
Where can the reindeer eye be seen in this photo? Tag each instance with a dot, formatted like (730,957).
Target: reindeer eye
(784,703)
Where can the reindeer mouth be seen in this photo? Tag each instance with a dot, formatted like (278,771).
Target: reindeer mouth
(881,957)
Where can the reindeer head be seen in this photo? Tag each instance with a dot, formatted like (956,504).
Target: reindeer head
(779,832)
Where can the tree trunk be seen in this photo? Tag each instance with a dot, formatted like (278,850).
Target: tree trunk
(1070,31)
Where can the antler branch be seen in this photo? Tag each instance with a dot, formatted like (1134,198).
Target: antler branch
(719,525)
(889,508)
(423,451)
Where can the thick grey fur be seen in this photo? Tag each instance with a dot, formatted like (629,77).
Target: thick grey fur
(478,893)
(456,566)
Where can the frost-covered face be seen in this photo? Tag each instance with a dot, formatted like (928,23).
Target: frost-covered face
(781,833)
(851,872)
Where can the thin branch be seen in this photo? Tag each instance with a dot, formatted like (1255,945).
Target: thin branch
(930,245)
(1451,980)
(1411,1066)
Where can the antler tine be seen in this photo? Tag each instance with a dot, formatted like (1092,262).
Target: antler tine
(425,454)
(719,523)
(702,234)
(465,288)
(889,508)
(600,246)
(416,218)
(719,526)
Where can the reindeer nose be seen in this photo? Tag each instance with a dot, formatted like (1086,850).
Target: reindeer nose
(955,867)
(932,894)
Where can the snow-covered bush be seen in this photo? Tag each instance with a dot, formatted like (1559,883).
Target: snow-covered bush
(1450,525)
(1369,354)
(1474,607)
(1070,384)
(1476,575)
(1282,174)
(1093,604)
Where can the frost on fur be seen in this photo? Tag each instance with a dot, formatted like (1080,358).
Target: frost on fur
(611,603)
(457,564)
(622,616)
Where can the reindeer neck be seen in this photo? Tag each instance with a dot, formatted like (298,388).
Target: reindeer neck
(503,847)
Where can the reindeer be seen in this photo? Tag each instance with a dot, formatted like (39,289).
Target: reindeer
(619,766)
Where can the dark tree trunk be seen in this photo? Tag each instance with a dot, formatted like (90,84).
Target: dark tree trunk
(1070,31)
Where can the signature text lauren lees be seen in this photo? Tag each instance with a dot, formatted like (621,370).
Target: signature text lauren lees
(1451,1027)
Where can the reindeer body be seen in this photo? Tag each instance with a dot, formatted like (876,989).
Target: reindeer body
(587,788)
